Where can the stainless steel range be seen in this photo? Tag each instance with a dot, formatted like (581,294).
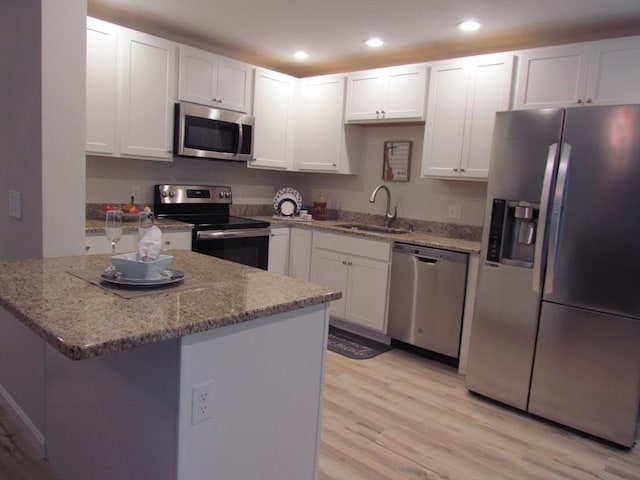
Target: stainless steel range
(215,232)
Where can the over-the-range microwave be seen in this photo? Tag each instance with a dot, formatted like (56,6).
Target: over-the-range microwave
(206,132)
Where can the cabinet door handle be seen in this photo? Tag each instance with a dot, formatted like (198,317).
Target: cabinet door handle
(588,100)
(462,169)
(382,111)
(579,101)
(455,169)
(87,248)
(344,262)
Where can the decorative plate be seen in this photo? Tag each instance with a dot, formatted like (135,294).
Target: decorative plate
(287,202)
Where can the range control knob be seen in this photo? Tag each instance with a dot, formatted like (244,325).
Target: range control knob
(172,193)
(163,194)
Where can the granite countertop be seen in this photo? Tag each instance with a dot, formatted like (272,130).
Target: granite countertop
(96,226)
(83,320)
(460,238)
(415,237)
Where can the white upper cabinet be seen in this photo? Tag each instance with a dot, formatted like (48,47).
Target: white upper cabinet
(213,80)
(101,97)
(273,109)
(464,95)
(323,142)
(130,93)
(387,94)
(594,73)
(147,95)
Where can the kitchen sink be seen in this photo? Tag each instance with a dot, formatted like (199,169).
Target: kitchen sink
(371,228)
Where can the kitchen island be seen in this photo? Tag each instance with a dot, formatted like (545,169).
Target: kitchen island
(219,376)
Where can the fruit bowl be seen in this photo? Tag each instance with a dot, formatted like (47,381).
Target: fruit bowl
(130,266)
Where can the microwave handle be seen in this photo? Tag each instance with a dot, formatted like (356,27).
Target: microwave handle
(240,135)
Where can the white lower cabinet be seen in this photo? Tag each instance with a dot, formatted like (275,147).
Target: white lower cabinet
(279,250)
(300,253)
(95,244)
(360,269)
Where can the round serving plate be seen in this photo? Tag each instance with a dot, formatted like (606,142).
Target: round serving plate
(172,276)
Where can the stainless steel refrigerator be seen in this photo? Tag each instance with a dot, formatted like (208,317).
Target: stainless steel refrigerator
(556,324)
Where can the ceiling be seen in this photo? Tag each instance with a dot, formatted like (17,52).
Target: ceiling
(268,32)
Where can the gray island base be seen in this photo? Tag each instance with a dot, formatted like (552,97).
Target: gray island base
(219,381)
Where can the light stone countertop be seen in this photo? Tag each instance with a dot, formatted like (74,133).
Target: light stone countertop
(417,237)
(83,320)
(414,238)
(96,226)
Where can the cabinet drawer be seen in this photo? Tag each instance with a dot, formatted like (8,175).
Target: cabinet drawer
(350,245)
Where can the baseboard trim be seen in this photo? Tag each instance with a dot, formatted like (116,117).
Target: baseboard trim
(22,422)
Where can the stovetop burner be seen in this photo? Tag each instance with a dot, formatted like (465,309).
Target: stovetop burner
(217,221)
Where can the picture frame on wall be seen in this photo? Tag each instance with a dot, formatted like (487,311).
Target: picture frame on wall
(396,161)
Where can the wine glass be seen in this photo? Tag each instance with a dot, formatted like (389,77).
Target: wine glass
(113,228)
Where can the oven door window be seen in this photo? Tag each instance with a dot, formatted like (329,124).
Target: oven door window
(252,251)
(211,135)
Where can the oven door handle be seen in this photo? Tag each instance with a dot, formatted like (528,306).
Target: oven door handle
(225,234)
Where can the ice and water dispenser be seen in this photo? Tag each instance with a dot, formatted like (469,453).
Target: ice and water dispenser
(513,232)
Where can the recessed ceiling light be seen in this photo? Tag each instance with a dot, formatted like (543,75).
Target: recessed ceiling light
(374,42)
(301,55)
(469,26)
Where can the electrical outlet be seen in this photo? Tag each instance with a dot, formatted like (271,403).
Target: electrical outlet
(201,402)
(455,211)
(135,192)
(15,204)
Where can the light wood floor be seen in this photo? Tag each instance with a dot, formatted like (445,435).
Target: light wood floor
(398,416)
(402,417)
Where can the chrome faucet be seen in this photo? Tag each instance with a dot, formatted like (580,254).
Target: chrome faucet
(388,218)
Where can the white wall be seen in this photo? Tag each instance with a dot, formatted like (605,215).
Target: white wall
(422,199)
(22,378)
(42,130)
(63,123)
(112,180)
(42,157)
(20,127)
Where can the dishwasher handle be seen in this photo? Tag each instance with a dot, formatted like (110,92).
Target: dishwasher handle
(430,261)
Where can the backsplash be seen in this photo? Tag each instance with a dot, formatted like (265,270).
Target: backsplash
(449,230)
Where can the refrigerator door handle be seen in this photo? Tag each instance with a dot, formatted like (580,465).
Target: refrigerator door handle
(557,211)
(544,207)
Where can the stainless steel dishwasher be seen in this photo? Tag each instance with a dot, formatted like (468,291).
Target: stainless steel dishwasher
(426,297)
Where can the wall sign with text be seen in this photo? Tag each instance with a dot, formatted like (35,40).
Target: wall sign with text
(396,161)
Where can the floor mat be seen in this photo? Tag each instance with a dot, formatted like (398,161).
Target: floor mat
(354,346)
